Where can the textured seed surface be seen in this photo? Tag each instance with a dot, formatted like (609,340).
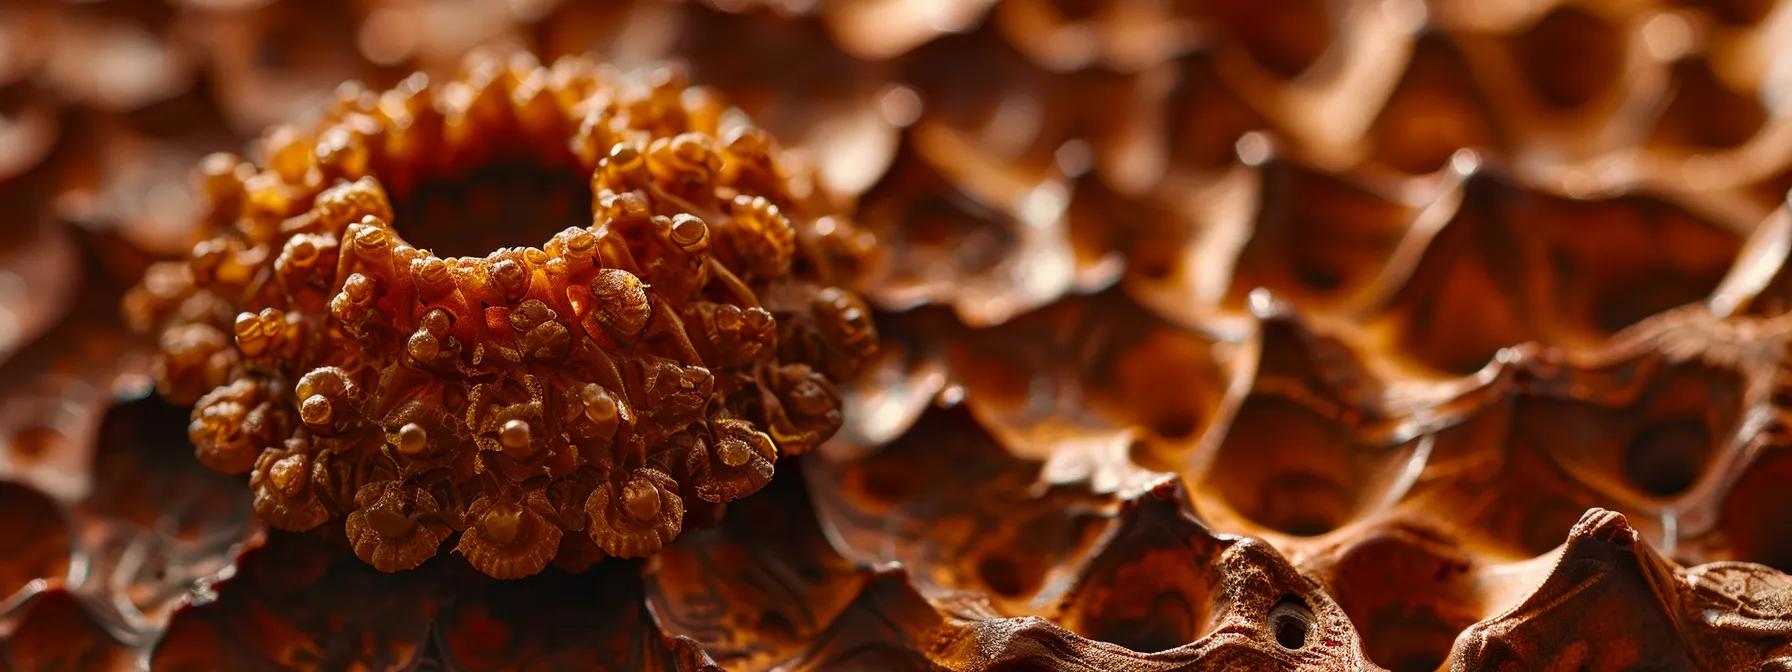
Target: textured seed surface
(1303,335)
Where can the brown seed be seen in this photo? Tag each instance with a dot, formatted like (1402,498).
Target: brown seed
(689,233)
(412,439)
(734,453)
(501,523)
(550,348)
(390,523)
(622,301)
(423,346)
(641,500)
(600,406)
(316,410)
(290,474)
(514,434)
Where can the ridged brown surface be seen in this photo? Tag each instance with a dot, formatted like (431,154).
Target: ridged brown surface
(1323,336)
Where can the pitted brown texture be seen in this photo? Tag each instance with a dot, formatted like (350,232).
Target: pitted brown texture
(1294,334)
(632,369)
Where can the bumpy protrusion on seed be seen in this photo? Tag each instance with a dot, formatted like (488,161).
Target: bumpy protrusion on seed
(219,180)
(625,167)
(843,331)
(672,395)
(540,335)
(684,162)
(577,246)
(395,527)
(760,238)
(327,401)
(269,336)
(509,277)
(510,539)
(520,393)
(195,358)
(622,304)
(594,417)
(515,436)
(737,462)
(167,295)
(688,233)
(232,424)
(636,516)
(431,277)
(306,268)
(731,335)
(804,408)
(286,486)
(413,439)
(354,308)
(288,154)
(348,203)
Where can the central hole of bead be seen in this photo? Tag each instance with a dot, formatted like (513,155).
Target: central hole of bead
(506,202)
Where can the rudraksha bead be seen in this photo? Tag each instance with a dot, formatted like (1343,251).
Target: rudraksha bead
(651,318)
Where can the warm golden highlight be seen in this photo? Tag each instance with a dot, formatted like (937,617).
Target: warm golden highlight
(622,376)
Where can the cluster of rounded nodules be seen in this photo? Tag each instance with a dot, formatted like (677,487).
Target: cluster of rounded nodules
(617,380)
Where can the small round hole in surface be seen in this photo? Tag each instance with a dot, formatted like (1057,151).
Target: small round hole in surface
(1665,458)
(1303,504)
(1007,575)
(1175,424)
(1168,621)
(34,442)
(1151,262)
(1319,277)
(1409,638)
(1291,620)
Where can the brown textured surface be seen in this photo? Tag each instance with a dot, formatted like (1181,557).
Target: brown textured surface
(671,335)
(1323,336)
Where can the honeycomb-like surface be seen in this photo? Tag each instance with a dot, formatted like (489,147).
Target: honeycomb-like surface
(1300,335)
